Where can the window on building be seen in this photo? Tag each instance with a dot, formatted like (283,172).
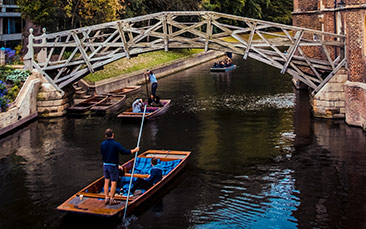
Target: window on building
(9,2)
(11,25)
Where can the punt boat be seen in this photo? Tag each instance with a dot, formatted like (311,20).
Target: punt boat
(125,91)
(223,69)
(151,112)
(85,105)
(90,200)
(112,103)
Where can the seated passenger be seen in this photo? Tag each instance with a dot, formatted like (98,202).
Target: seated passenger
(137,106)
(156,174)
(228,62)
(154,101)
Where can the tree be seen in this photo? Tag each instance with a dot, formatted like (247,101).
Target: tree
(66,14)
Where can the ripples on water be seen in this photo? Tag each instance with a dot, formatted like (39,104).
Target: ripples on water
(251,202)
(238,102)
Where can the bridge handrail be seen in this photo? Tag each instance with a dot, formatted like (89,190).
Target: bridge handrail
(183,13)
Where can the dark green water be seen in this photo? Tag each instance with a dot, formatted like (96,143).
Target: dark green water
(258,159)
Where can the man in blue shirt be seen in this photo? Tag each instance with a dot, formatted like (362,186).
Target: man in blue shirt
(137,105)
(110,150)
(153,81)
(156,174)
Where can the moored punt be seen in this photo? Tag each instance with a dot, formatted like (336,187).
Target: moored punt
(112,103)
(85,105)
(90,200)
(125,91)
(151,112)
(223,69)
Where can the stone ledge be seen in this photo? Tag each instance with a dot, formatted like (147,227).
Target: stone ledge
(328,103)
(52,109)
(18,123)
(48,103)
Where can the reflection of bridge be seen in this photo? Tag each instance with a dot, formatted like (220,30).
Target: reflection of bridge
(67,56)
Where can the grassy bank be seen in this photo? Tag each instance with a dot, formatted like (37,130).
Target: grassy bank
(142,61)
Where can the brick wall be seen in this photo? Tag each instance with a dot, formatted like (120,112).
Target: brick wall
(305,5)
(355,30)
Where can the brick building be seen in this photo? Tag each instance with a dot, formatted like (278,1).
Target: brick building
(346,17)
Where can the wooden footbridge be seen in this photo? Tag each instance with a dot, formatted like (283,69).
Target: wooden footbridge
(310,56)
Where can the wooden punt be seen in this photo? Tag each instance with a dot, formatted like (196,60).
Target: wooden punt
(85,105)
(224,69)
(112,103)
(125,91)
(90,200)
(151,112)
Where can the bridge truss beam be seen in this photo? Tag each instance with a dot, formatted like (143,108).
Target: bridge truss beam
(310,56)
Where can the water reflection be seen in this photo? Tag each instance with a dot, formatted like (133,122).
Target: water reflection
(251,202)
(258,159)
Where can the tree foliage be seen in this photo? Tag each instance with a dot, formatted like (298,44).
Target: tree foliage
(271,10)
(66,14)
(58,15)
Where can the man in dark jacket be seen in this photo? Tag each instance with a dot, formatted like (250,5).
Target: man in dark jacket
(110,150)
(156,174)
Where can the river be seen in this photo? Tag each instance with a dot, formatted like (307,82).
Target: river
(259,160)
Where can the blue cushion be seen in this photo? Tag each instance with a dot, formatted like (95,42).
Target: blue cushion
(167,166)
(143,165)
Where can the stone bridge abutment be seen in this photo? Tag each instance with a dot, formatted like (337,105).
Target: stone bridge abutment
(346,17)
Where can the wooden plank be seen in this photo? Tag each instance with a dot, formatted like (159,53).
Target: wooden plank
(325,50)
(293,49)
(250,41)
(326,80)
(165,31)
(83,53)
(123,38)
(208,32)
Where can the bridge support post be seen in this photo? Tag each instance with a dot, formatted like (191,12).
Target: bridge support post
(50,101)
(329,102)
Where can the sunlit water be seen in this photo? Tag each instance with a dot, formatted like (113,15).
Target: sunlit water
(258,159)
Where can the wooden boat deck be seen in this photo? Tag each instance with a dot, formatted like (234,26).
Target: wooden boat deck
(126,90)
(90,200)
(150,111)
(112,103)
(87,104)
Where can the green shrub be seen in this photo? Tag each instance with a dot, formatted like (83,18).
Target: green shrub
(18,75)
(13,92)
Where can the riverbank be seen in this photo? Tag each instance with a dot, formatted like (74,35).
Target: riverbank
(137,77)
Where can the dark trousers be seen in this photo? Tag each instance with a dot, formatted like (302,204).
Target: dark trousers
(154,86)
(141,184)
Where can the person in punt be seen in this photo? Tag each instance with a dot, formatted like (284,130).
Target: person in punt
(156,174)
(154,101)
(110,150)
(137,105)
(153,81)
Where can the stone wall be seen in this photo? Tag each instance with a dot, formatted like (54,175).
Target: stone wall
(50,102)
(329,102)
(24,107)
